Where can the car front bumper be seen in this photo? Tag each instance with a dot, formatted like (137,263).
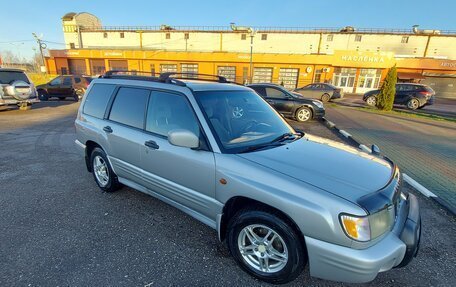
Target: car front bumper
(319,113)
(396,249)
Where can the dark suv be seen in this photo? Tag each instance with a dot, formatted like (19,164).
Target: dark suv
(290,104)
(414,96)
(63,87)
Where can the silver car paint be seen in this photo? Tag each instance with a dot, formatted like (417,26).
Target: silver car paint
(188,180)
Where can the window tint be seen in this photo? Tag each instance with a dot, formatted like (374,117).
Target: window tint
(67,81)
(77,80)
(260,90)
(129,107)
(7,77)
(274,93)
(168,112)
(97,100)
(56,81)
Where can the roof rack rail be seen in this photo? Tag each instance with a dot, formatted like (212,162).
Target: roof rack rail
(121,74)
(190,76)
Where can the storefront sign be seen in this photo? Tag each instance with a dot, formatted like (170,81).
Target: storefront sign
(113,54)
(448,64)
(373,59)
(363,59)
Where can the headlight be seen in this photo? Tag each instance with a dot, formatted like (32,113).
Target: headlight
(368,227)
(318,104)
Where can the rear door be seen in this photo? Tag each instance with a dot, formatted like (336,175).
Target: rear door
(124,132)
(402,94)
(281,102)
(184,175)
(66,88)
(306,91)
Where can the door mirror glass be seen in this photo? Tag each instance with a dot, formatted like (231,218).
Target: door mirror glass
(183,138)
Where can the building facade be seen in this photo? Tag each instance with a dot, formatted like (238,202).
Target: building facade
(354,59)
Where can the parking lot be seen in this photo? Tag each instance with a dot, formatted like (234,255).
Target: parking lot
(58,229)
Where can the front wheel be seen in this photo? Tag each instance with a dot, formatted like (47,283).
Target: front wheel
(43,96)
(266,246)
(413,104)
(371,101)
(102,171)
(303,114)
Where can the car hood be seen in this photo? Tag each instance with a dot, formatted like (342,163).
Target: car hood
(329,165)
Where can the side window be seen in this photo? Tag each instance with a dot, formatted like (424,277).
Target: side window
(97,100)
(67,81)
(260,91)
(274,93)
(129,107)
(168,111)
(56,81)
(77,80)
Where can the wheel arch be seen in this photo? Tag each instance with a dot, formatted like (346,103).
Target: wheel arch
(304,106)
(90,146)
(236,203)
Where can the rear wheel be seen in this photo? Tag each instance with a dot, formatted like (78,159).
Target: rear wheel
(303,114)
(413,104)
(325,98)
(266,246)
(371,101)
(102,171)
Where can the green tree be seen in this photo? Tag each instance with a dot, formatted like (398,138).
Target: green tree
(387,93)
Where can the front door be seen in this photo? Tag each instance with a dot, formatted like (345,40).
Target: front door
(54,86)
(181,174)
(66,89)
(124,132)
(280,101)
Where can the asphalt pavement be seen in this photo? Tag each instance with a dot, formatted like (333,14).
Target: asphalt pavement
(58,229)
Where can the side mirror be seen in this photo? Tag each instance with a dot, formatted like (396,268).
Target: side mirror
(183,138)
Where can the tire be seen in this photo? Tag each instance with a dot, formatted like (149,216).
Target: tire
(325,98)
(43,95)
(303,114)
(413,104)
(371,101)
(79,93)
(102,171)
(286,246)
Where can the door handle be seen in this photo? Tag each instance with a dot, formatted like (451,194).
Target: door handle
(152,144)
(107,129)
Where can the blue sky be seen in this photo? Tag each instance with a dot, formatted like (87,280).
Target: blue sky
(44,16)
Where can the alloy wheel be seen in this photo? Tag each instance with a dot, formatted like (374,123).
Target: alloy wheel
(100,168)
(303,115)
(262,248)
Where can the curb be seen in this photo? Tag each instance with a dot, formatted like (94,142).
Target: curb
(347,137)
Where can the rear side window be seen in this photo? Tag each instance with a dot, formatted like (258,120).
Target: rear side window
(97,100)
(129,107)
(260,91)
(67,81)
(7,77)
(275,93)
(77,80)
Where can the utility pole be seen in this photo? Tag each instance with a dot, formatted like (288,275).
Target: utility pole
(42,46)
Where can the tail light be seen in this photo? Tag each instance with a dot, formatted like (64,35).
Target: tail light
(426,94)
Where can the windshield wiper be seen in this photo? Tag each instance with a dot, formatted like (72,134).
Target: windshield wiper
(286,136)
(261,146)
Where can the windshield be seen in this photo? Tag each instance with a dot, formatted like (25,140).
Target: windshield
(241,120)
(7,77)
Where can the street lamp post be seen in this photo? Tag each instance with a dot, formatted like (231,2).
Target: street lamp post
(251,32)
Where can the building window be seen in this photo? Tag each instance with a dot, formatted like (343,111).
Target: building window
(168,36)
(229,72)
(369,78)
(330,38)
(72,46)
(243,36)
(190,69)
(105,35)
(186,36)
(358,38)
(165,68)
(122,35)
(405,39)
(264,36)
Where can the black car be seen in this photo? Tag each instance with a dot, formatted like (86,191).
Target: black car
(63,87)
(321,91)
(414,96)
(290,104)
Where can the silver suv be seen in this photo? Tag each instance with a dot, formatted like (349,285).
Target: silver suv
(16,88)
(279,198)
